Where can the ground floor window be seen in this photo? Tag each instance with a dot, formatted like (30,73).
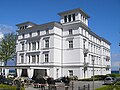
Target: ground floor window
(70,72)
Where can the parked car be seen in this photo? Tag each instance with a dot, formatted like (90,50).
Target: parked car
(59,79)
(110,80)
(6,81)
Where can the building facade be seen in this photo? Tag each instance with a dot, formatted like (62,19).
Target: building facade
(65,48)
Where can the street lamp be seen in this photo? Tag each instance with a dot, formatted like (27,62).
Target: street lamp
(93,59)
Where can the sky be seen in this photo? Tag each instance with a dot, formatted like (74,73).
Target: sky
(104,17)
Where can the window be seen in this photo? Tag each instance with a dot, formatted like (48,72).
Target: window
(29,46)
(22,46)
(71,44)
(33,45)
(22,59)
(70,72)
(70,31)
(38,32)
(20,28)
(23,36)
(65,19)
(25,26)
(38,45)
(30,34)
(84,43)
(73,17)
(57,74)
(47,31)
(69,18)
(46,57)
(47,43)
(37,58)
(33,59)
(28,59)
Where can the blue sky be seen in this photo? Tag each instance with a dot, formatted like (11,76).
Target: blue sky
(104,21)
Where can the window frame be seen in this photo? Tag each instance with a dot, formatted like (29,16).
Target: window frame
(73,16)
(70,72)
(22,58)
(46,57)
(70,44)
(69,18)
(70,31)
(23,46)
(65,19)
(33,59)
(33,45)
(38,58)
(47,31)
(46,43)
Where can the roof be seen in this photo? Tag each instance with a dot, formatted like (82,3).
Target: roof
(27,22)
(43,26)
(74,10)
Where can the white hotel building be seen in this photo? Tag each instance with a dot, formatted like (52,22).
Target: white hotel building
(65,48)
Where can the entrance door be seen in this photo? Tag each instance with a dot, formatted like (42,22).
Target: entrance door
(24,73)
(39,73)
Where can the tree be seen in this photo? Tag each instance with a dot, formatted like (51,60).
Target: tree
(7,47)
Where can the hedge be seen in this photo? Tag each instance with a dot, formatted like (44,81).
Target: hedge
(8,87)
(109,87)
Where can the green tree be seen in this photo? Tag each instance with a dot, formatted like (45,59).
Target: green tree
(7,47)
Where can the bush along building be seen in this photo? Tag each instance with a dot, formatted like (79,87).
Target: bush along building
(65,48)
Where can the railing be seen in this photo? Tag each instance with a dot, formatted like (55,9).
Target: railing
(53,87)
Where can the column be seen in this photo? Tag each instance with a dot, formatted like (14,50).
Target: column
(30,72)
(6,72)
(48,72)
(19,71)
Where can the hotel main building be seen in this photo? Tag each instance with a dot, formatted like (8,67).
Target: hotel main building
(65,48)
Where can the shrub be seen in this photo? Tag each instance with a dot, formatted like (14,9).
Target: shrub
(74,78)
(100,77)
(117,83)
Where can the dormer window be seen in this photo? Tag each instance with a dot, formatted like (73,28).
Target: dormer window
(47,31)
(30,34)
(65,19)
(69,18)
(25,26)
(23,36)
(20,28)
(73,16)
(70,31)
(38,32)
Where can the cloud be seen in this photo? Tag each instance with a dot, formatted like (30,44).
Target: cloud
(6,28)
(1,35)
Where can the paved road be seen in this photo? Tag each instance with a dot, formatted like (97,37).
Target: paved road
(76,85)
